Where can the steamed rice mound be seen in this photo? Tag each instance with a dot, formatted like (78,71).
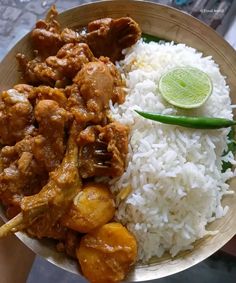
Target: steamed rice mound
(174,173)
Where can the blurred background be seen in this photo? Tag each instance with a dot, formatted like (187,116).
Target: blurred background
(17,17)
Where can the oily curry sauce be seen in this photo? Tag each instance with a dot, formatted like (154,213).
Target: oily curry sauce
(56,137)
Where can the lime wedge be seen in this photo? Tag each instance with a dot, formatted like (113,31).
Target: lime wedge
(185,87)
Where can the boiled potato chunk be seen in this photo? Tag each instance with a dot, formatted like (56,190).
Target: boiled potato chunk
(92,207)
(107,253)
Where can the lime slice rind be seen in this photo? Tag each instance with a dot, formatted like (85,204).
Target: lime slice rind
(185,87)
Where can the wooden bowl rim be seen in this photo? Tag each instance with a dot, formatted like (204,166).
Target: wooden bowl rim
(151,271)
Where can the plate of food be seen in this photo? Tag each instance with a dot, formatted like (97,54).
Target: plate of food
(117,141)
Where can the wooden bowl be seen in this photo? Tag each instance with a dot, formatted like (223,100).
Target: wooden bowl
(170,24)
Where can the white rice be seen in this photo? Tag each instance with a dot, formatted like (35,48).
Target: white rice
(174,172)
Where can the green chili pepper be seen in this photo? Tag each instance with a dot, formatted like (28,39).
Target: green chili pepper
(189,122)
(148,38)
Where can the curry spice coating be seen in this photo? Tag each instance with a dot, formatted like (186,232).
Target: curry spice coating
(56,134)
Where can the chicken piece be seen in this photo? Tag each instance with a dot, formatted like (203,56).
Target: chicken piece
(16,117)
(25,166)
(40,212)
(89,163)
(109,142)
(45,92)
(11,201)
(118,95)
(57,195)
(70,59)
(56,70)
(95,85)
(34,94)
(76,105)
(105,37)
(70,36)
(46,36)
(37,72)
(92,207)
(107,253)
(48,148)
(108,37)
(27,90)
(42,229)
(116,136)
(21,174)
(9,154)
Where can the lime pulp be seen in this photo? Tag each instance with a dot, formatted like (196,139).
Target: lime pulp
(185,87)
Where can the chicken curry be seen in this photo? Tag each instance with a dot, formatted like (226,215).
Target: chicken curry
(57,136)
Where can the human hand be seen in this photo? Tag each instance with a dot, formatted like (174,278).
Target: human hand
(15,260)
(230,247)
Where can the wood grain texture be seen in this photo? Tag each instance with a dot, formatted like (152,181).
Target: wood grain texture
(171,24)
